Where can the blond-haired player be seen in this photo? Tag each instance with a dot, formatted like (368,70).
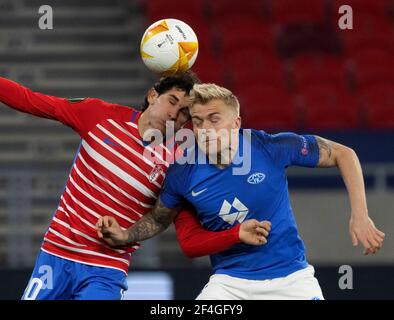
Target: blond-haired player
(245,177)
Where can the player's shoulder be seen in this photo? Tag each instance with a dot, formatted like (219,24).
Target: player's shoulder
(184,163)
(100,102)
(265,137)
(266,140)
(256,136)
(96,102)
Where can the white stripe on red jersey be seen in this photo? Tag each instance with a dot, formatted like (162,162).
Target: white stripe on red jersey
(146,160)
(114,186)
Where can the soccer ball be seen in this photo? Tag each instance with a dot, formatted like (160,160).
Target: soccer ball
(169,46)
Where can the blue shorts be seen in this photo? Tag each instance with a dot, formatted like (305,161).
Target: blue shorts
(55,278)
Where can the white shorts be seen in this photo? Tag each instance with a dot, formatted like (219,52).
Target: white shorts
(300,285)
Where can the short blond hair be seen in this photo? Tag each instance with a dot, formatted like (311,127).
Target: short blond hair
(204,93)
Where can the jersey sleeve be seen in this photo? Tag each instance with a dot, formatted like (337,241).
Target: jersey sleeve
(195,241)
(171,194)
(291,149)
(79,114)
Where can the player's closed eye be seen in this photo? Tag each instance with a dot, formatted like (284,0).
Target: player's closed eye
(185,112)
(196,122)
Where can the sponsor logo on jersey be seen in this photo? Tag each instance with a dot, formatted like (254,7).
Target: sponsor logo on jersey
(233,212)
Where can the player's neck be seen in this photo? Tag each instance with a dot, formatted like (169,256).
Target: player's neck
(143,124)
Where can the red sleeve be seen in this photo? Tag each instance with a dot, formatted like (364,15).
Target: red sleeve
(81,115)
(195,241)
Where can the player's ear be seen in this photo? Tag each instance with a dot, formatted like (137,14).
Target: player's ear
(237,122)
(152,95)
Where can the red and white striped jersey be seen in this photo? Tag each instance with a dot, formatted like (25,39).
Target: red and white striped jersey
(111,175)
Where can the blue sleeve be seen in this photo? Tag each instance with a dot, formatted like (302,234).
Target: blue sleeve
(291,149)
(171,193)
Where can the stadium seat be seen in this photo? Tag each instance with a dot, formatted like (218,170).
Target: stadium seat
(367,75)
(206,40)
(298,11)
(157,9)
(381,41)
(255,66)
(379,103)
(209,69)
(312,70)
(371,56)
(261,70)
(248,33)
(221,9)
(373,31)
(377,8)
(267,108)
(327,108)
(371,65)
(252,57)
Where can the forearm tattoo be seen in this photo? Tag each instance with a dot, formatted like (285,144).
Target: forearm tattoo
(152,223)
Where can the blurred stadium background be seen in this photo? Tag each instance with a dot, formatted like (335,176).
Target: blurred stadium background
(292,68)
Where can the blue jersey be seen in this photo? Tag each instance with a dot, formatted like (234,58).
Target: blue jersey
(223,199)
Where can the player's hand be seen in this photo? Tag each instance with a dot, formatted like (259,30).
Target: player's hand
(363,230)
(254,232)
(110,231)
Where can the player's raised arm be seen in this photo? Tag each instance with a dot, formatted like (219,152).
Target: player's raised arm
(361,227)
(79,114)
(147,227)
(23,99)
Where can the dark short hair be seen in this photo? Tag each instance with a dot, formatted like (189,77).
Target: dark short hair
(182,81)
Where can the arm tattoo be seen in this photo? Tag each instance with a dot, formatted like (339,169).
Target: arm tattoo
(324,146)
(325,151)
(152,223)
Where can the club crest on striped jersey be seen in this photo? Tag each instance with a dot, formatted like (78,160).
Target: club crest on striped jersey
(156,172)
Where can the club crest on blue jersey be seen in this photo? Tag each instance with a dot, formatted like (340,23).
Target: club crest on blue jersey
(255,178)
